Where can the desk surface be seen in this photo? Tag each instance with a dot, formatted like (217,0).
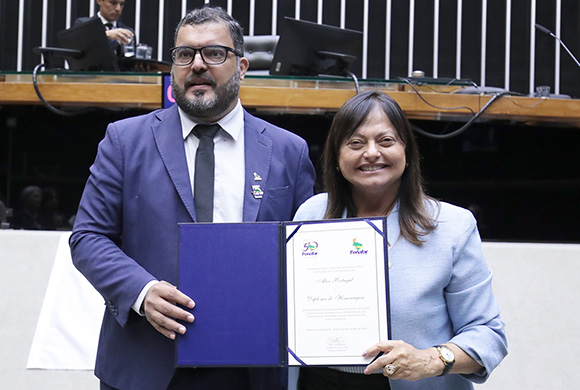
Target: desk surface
(291,95)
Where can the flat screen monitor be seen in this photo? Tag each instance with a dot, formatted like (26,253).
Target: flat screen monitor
(312,49)
(90,38)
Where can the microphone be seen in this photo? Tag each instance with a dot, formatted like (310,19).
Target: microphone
(548,32)
(545,30)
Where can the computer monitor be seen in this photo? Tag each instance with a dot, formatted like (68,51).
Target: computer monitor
(167,98)
(90,38)
(311,49)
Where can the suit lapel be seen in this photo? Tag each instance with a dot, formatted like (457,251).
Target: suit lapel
(258,156)
(169,140)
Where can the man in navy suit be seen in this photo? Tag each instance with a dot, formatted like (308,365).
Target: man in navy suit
(125,238)
(110,12)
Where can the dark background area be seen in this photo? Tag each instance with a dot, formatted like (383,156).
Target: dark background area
(470,64)
(521,181)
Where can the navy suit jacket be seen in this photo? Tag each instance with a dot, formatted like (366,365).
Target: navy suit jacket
(126,230)
(85,19)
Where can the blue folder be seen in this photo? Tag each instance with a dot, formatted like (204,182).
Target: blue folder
(233,273)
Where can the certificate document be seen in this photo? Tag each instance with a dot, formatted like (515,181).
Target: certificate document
(337,290)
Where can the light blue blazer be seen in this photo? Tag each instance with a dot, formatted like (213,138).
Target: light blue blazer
(439,292)
(126,230)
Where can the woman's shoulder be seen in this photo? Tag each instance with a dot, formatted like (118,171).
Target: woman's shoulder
(450,215)
(313,208)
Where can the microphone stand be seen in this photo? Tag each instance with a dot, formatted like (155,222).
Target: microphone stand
(548,32)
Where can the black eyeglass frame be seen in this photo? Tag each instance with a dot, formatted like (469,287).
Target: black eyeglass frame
(199,50)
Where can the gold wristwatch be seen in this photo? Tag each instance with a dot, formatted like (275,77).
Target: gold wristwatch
(447,357)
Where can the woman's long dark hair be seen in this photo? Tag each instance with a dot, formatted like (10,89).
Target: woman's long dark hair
(414,217)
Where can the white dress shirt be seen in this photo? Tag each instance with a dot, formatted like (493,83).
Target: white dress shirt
(105,21)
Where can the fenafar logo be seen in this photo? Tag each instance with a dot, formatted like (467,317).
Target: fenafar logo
(310,248)
(358,248)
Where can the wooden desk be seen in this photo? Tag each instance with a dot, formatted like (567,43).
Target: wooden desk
(100,90)
(443,101)
(289,95)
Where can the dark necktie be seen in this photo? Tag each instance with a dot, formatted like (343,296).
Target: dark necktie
(109,26)
(203,180)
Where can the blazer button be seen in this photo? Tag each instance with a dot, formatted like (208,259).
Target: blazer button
(112,308)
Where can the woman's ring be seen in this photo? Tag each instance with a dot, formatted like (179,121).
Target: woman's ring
(389,369)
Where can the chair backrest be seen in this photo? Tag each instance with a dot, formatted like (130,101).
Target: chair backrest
(259,50)
(90,38)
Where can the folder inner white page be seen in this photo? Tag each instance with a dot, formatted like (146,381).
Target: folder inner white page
(337,291)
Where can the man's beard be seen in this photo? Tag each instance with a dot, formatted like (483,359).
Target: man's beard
(200,107)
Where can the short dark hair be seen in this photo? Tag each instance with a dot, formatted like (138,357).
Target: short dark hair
(214,14)
(414,218)
(27,192)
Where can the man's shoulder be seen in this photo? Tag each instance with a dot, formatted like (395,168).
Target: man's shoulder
(123,25)
(141,121)
(83,19)
(274,132)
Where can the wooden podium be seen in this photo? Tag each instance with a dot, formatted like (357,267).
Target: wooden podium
(287,95)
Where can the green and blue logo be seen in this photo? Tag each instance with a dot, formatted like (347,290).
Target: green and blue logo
(358,248)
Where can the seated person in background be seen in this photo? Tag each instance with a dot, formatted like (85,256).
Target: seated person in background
(445,321)
(50,216)
(109,12)
(28,215)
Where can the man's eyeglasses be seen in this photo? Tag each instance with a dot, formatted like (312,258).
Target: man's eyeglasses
(211,55)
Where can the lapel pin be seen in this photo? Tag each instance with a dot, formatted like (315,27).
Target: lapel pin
(257,177)
(257,192)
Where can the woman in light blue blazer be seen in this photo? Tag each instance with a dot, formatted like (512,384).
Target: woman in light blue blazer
(445,321)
